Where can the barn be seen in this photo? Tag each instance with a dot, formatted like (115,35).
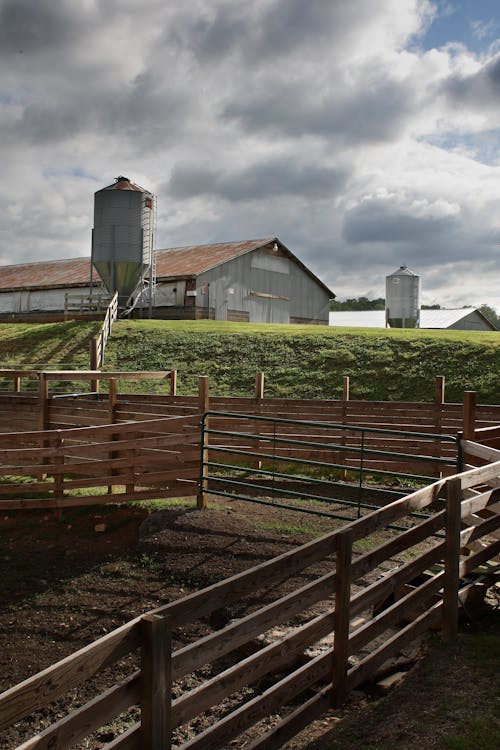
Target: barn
(461,319)
(251,280)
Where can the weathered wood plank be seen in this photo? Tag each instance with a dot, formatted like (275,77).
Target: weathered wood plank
(247,671)
(270,700)
(82,721)
(368,666)
(37,691)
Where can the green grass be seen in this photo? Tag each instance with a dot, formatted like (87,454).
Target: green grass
(309,362)
(298,361)
(46,343)
(478,734)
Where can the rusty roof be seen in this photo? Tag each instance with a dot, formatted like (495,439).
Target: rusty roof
(171,263)
(192,260)
(123,183)
(45,274)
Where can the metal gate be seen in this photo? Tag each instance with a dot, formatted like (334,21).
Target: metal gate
(318,467)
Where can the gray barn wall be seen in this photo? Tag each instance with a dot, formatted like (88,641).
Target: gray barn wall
(471,322)
(230,289)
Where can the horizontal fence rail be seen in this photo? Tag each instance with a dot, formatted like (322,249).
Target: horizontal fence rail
(325,618)
(113,463)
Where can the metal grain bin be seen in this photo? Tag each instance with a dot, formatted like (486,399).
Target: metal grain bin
(402,299)
(122,239)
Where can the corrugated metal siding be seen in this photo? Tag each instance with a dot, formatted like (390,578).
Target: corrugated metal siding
(471,322)
(37,300)
(239,284)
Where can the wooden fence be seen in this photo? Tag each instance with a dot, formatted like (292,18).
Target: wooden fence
(98,344)
(55,426)
(113,463)
(331,603)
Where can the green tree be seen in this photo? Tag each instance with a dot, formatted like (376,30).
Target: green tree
(490,314)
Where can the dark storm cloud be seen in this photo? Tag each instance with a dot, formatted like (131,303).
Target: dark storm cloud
(373,113)
(481,89)
(263,31)
(28,26)
(275,177)
(379,221)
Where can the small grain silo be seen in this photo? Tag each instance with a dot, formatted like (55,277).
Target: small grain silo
(122,240)
(402,299)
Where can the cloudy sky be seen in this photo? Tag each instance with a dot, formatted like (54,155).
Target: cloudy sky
(363,133)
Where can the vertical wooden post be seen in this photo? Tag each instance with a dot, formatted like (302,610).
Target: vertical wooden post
(469,415)
(439,400)
(440,384)
(345,398)
(17,383)
(132,453)
(204,406)
(173,382)
(342,615)
(112,400)
(259,386)
(259,396)
(43,401)
(94,362)
(156,682)
(345,388)
(58,474)
(452,558)
(203,394)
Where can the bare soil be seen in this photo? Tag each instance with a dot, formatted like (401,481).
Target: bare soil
(66,581)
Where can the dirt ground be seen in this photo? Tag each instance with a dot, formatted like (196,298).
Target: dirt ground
(66,581)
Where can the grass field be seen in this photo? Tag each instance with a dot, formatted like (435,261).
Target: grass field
(309,362)
(299,361)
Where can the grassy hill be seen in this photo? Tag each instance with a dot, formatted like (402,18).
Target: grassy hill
(54,344)
(299,361)
(309,362)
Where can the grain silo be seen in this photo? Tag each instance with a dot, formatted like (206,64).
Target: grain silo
(122,241)
(402,299)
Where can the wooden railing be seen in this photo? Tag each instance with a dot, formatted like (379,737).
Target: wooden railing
(437,416)
(113,463)
(332,599)
(98,344)
(86,304)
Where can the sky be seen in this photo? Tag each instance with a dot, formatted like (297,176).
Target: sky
(363,133)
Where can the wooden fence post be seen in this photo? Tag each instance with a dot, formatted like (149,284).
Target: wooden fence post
(94,362)
(58,475)
(439,401)
(43,401)
(17,384)
(345,398)
(345,389)
(259,396)
(112,400)
(440,384)
(204,406)
(452,558)
(469,415)
(259,386)
(156,682)
(173,382)
(342,615)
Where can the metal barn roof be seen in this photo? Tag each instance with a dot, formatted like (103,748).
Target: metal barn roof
(428,318)
(46,274)
(171,263)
